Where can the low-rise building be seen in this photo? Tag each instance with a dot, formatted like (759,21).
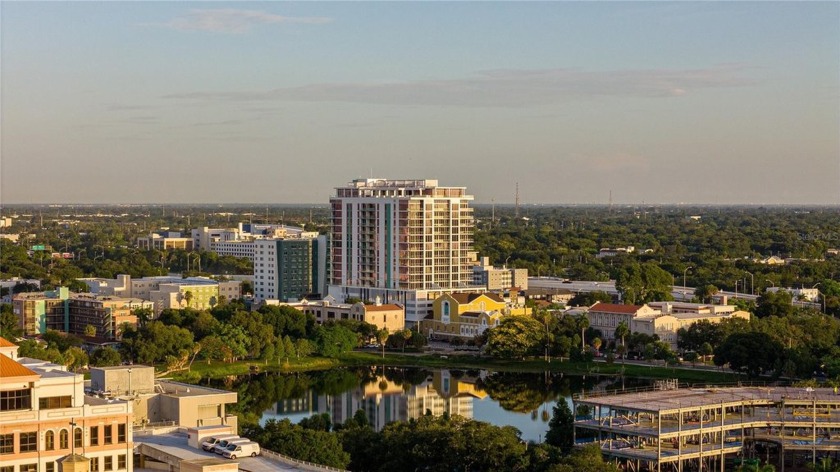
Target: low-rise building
(241,240)
(168,291)
(164,401)
(165,240)
(382,315)
(614,251)
(72,313)
(466,315)
(46,420)
(498,278)
(663,319)
(799,294)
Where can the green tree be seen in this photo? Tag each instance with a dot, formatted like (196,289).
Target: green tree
(515,337)
(188,297)
(303,348)
(90,331)
(561,427)
(235,339)
(9,328)
(590,298)
(76,358)
(752,352)
(312,445)
(621,332)
(105,357)
(405,335)
(289,347)
(382,337)
(334,339)
(642,283)
(778,303)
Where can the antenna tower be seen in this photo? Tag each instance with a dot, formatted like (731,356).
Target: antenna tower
(517,200)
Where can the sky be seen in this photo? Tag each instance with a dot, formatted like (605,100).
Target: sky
(281,102)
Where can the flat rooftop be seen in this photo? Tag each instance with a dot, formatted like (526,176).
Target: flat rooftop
(175,445)
(656,401)
(179,389)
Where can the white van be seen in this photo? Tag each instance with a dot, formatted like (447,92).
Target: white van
(242,450)
(211,442)
(226,443)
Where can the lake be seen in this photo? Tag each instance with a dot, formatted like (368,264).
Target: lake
(522,400)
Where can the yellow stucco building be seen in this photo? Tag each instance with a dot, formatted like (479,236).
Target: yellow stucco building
(466,315)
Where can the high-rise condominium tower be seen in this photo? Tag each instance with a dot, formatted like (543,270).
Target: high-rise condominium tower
(401,234)
(398,236)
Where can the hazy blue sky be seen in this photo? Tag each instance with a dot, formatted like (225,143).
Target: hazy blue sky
(660,102)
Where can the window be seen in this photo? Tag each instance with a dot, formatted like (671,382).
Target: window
(109,438)
(7,468)
(109,463)
(94,464)
(63,442)
(15,400)
(121,433)
(29,467)
(50,466)
(49,441)
(94,435)
(121,461)
(78,438)
(29,441)
(7,443)
(49,403)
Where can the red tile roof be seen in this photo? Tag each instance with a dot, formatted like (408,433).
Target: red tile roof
(615,308)
(6,343)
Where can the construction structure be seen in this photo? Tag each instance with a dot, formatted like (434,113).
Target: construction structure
(676,429)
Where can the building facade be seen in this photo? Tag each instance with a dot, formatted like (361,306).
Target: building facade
(405,241)
(164,401)
(290,269)
(241,240)
(384,316)
(499,278)
(165,241)
(663,319)
(46,419)
(466,315)
(168,291)
(72,313)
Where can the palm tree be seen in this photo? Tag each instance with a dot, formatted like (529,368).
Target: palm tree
(583,323)
(382,337)
(621,331)
(188,296)
(90,331)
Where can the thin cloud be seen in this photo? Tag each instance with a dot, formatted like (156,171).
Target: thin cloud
(233,21)
(504,87)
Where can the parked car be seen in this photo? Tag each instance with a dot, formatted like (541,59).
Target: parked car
(242,450)
(223,445)
(211,442)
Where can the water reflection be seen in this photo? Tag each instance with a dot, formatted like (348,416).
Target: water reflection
(386,394)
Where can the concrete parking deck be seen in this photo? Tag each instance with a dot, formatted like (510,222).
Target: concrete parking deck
(649,429)
(172,448)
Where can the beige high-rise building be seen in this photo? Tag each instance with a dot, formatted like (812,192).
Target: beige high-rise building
(405,241)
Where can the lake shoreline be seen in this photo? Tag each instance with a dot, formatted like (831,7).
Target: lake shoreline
(215,370)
